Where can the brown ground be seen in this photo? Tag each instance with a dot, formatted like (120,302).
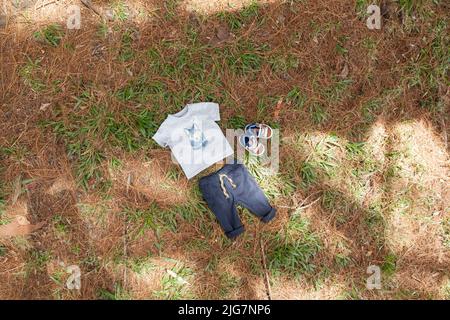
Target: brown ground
(101,236)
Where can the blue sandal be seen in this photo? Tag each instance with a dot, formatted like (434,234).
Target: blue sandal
(259,130)
(251,144)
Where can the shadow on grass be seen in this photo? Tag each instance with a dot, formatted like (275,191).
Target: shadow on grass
(247,60)
(358,222)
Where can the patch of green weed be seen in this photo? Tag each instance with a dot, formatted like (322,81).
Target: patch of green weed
(337,91)
(128,130)
(60,225)
(170,7)
(389,265)
(29,77)
(118,293)
(296,97)
(120,10)
(174,287)
(228,284)
(3,250)
(237,122)
(283,63)
(126,49)
(318,113)
(243,57)
(51,35)
(240,18)
(38,260)
(292,250)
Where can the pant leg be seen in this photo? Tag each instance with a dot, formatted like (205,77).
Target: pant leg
(223,208)
(249,194)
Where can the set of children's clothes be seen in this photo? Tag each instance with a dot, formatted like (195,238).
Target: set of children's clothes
(197,142)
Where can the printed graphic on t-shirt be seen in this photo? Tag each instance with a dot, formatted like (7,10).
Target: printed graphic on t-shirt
(196,136)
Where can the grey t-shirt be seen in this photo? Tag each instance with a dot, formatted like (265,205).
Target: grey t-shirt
(194,137)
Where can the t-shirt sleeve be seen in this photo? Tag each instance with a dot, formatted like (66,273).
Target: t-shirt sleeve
(208,109)
(161,136)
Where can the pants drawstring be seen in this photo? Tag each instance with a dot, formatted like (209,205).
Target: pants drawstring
(222,185)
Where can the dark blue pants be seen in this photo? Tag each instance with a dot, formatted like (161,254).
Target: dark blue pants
(230,186)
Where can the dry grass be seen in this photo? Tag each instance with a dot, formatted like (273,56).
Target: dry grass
(364,168)
(150,179)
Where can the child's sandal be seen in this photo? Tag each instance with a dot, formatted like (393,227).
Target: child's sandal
(251,144)
(259,130)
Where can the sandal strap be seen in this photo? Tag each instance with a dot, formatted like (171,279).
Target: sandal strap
(252,142)
(263,131)
(260,130)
